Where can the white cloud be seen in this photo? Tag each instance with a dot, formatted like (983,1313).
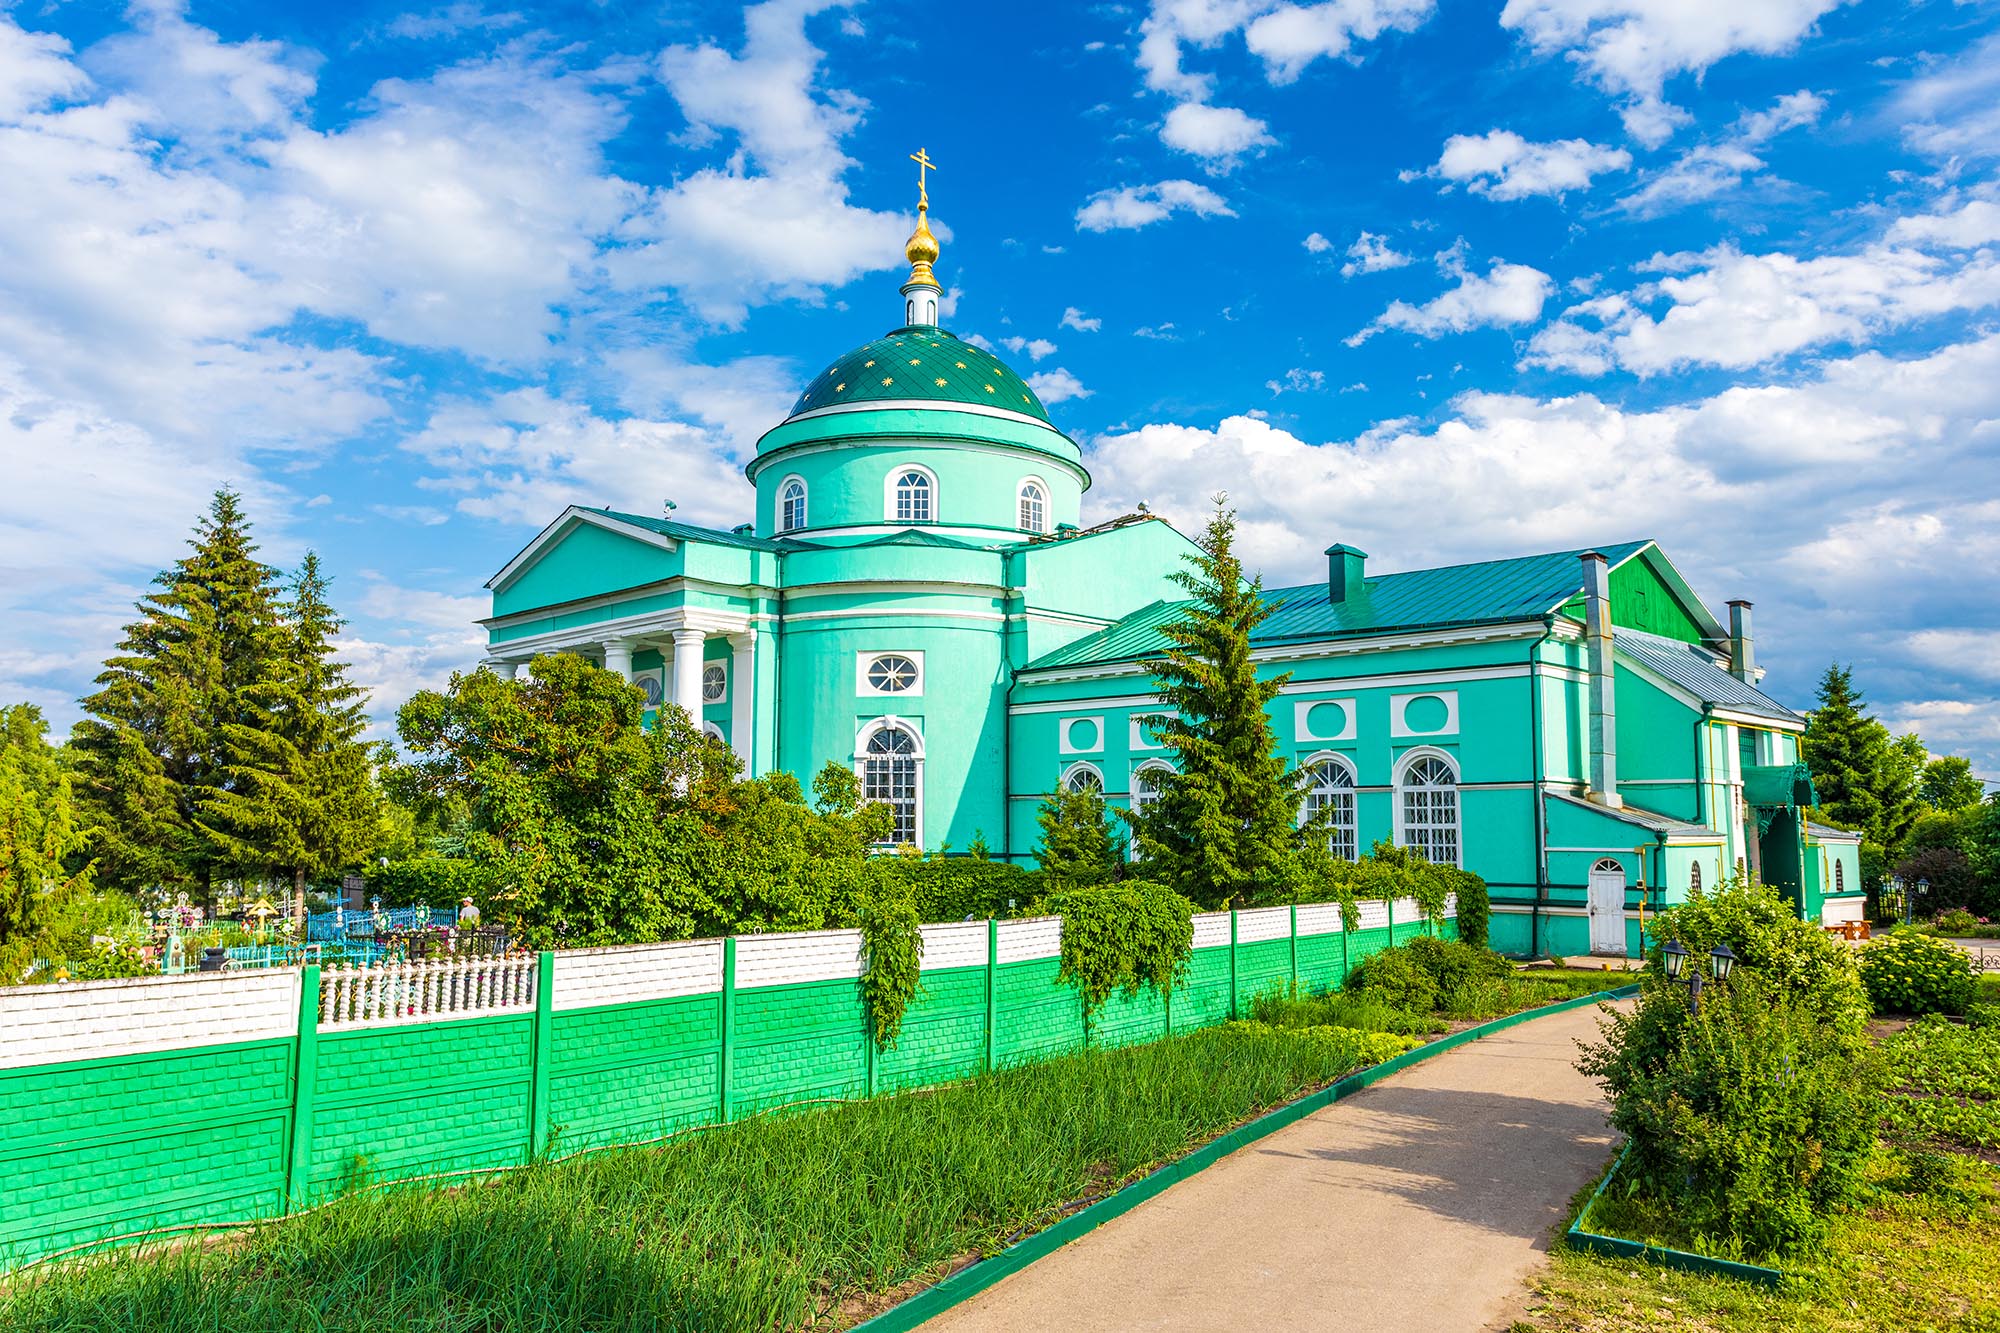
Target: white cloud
(1372,254)
(1316,244)
(1164,333)
(35,70)
(522,456)
(1711,169)
(1726,308)
(1973,223)
(1971,653)
(1036,348)
(1072,318)
(1056,386)
(1632,47)
(1297,380)
(1508,294)
(1902,528)
(1133,206)
(1289,37)
(1952,109)
(1502,165)
(1219,135)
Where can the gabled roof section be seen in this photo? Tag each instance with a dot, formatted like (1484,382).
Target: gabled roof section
(1697,672)
(663,533)
(1488,593)
(916,537)
(1673,828)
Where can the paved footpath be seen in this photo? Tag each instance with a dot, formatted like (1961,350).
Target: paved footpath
(1420,1203)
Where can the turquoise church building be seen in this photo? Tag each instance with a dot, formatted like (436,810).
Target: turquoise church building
(919,598)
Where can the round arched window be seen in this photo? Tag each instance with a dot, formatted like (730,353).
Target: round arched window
(1694,878)
(1330,788)
(890,768)
(1430,810)
(1082,777)
(792,505)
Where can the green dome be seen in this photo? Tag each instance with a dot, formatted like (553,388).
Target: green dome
(920,363)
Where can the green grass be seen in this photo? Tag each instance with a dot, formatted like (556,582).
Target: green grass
(1342,1010)
(777,1223)
(1495,997)
(1921,1256)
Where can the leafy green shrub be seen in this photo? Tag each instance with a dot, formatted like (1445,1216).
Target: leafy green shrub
(1395,977)
(959,888)
(1123,936)
(1794,957)
(1282,1008)
(1751,1120)
(102,960)
(892,937)
(1429,974)
(435,881)
(1908,973)
(1475,909)
(1957,921)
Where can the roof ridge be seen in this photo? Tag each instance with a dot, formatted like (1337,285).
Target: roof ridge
(1576,552)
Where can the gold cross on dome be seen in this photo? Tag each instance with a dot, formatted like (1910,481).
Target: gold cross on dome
(924,163)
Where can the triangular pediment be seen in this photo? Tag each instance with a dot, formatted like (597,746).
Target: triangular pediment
(584,553)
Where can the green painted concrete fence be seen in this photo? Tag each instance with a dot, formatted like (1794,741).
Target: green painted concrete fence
(109,1147)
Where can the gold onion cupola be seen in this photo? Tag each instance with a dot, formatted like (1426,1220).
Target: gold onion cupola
(920,290)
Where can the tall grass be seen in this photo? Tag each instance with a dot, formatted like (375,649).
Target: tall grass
(1341,1009)
(776,1223)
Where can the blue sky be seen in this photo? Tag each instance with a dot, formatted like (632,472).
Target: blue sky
(1444,280)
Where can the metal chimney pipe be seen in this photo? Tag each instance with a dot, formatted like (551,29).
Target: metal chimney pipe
(1603,705)
(1742,647)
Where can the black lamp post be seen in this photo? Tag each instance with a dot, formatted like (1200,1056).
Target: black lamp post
(1721,961)
(1923,888)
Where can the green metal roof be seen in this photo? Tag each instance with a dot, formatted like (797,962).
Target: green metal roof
(1696,672)
(1491,592)
(920,363)
(666,527)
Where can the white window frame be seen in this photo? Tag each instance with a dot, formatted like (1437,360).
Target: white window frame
(805,504)
(864,689)
(1074,770)
(714,729)
(1353,790)
(1041,498)
(1135,805)
(868,732)
(890,488)
(721,698)
(1694,876)
(1408,760)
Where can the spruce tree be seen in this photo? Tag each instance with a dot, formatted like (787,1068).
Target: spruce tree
(1077,849)
(156,743)
(1865,778)
(1226,822)
(300,797)
(39,836)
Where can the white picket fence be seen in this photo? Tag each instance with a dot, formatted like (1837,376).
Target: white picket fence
(418,992)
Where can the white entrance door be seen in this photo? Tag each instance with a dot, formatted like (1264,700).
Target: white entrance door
(1607,908)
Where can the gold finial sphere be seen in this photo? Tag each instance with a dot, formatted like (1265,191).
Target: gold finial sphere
(922,247)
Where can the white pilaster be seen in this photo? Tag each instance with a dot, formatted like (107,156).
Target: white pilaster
(742,693)
(687,671)
(618,656)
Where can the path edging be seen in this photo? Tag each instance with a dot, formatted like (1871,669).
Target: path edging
(969,1281)
(1580,1237)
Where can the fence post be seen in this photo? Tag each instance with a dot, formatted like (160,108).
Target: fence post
(1346,964)
(305,1072)
(1295,948)
(992,989)
(1232,964)
(728,1050)
(544,1053)
(1391,902)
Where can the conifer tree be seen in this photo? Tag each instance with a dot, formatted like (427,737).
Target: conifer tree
(155,745)
(1865,778)
(1077,848)
(300,797)
(1226,822)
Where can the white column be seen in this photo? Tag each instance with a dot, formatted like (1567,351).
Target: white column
(742,694)
(687,672)
(504,670)
(618,656)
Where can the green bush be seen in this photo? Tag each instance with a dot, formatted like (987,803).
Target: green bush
(1340,1043)
(1751,1120)
(1123,936)
(959,888)
(1428,973)
(1794,957)
(434,881)
(1908,973)
(1957,921)
(892,937)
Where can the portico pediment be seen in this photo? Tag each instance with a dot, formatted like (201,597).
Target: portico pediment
(584,553)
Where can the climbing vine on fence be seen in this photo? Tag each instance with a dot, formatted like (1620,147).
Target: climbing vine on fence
(892,937)
(1123,936)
